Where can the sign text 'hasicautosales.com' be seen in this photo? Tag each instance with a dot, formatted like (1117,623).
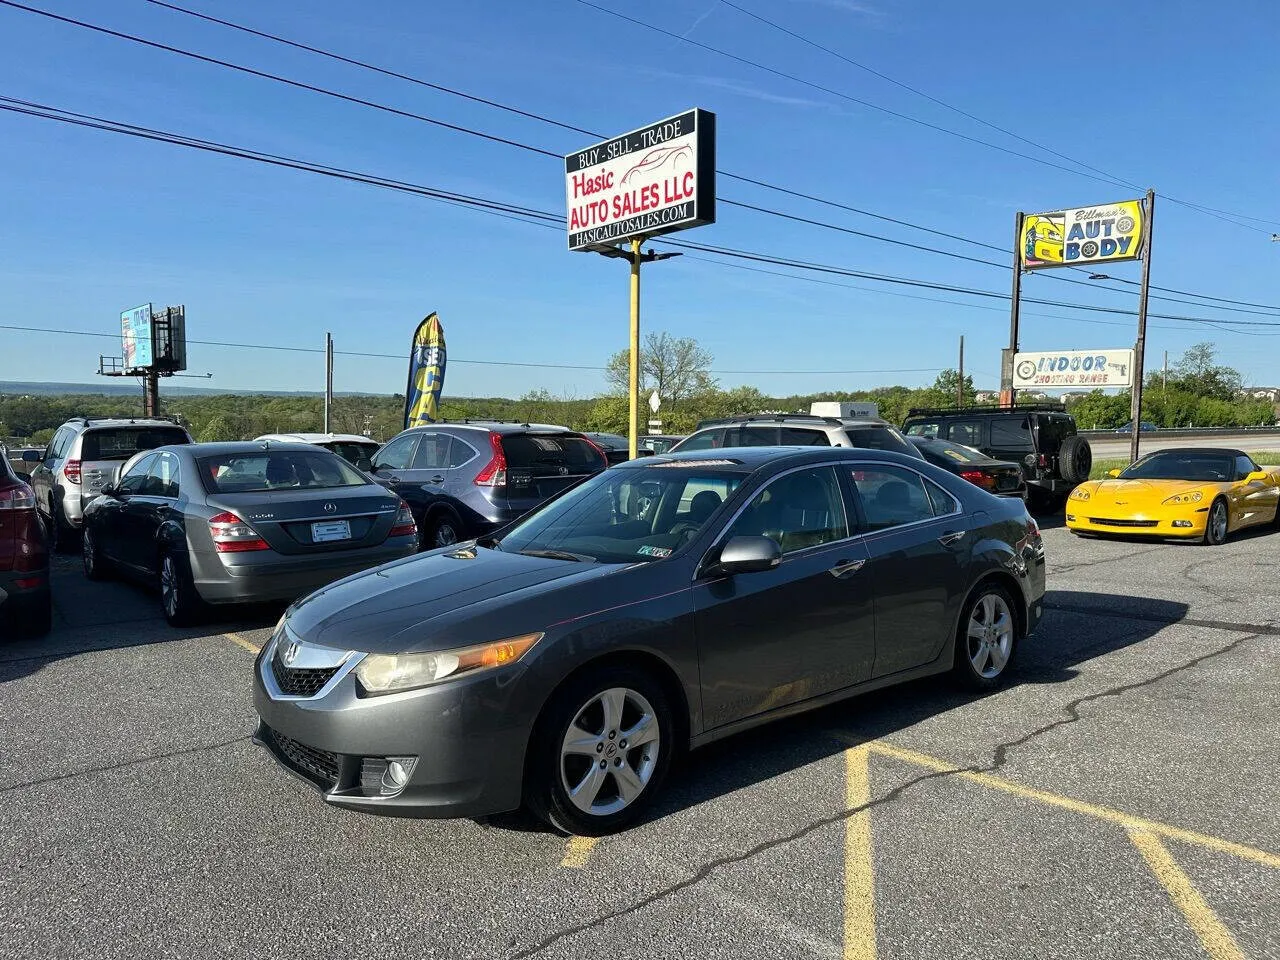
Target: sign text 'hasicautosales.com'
(651,181)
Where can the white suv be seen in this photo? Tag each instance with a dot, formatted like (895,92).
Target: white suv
(797,430)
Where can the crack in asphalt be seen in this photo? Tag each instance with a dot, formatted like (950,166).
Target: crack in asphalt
(187,751)
(1000,756)
(1055,569)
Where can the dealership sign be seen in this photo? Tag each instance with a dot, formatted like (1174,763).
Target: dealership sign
(1083,235)
(1073,368)
(651,181)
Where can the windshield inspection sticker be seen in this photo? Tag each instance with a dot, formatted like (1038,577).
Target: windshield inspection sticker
(648,551)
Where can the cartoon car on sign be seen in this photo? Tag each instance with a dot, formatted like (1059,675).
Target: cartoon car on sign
(1042,240)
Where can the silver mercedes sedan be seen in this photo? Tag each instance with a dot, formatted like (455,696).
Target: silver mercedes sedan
(220,523)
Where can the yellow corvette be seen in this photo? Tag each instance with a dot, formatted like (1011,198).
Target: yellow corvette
(1198,493)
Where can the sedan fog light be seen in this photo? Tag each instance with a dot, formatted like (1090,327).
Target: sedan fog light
(1071,517)
(1182,523)
(399,770)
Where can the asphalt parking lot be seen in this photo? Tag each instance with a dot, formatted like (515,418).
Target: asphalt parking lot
(1120,798)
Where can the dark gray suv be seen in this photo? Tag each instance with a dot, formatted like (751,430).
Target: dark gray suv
(466,479)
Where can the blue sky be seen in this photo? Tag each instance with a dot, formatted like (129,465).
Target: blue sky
(1161,93)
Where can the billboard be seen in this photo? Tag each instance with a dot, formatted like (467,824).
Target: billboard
(426,374)
(1073,368)
(651,181)
(1082,235)
(137,337)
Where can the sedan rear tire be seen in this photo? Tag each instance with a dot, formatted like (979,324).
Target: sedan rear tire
(178,597)
(600,751)
(986,639)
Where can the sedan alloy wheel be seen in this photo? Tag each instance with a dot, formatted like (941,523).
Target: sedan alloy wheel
(610,751)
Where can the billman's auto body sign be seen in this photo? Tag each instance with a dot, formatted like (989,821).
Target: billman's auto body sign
(1109,231)
(651,181)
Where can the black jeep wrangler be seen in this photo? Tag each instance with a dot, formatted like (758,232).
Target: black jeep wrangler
(1042,437)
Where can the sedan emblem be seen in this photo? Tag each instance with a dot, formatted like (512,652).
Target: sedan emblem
(564,471)
(289,652)
(330,508)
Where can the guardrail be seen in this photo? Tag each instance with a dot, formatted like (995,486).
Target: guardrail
(1189,432)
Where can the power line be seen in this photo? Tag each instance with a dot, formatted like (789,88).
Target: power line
(1225,215)
(553,221)
(534,149)
(488,363)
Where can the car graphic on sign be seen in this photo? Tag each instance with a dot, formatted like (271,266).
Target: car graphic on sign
(1042,239)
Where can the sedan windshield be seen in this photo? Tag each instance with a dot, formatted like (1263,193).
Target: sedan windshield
(1183,465)
(625,516)
(277,470)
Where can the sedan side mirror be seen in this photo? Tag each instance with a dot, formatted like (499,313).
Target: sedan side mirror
(31,456)
(1113,473)
(110,490)
(365,464)
(748,555)
(1257,475)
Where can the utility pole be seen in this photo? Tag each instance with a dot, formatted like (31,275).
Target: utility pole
(1007,394)
(1164,384)
(960,379)
(1140,346)
(151,393)
(328,379)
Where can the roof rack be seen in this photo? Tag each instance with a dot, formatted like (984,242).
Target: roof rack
(128,419)
(770,417)
(1039,406)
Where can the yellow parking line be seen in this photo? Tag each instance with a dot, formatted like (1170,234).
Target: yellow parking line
(1078,806)
(859,872)
(1215,938)
(578,851)
(243,642)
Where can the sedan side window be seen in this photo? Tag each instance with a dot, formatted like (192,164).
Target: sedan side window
(796,511)
(162,479)
(893,496)
(1244,467)
(396,454)
(135,478)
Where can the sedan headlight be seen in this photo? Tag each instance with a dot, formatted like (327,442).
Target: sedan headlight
(379,673)
(1194,497)
(1079,493)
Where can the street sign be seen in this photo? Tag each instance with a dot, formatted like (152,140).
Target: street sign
(655,180)
(654,401)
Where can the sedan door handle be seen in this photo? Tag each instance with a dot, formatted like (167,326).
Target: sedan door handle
(954,536)
(436,479)
(846,567)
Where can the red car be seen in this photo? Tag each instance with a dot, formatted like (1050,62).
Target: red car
(25,602)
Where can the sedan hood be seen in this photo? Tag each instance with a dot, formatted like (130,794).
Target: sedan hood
(387,609)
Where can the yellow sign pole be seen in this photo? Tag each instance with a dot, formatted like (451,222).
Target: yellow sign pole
(633,381)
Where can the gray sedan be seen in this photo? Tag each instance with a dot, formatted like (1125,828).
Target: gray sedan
(654,608)
(241,522)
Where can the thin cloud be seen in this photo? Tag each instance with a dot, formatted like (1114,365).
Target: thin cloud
(697,23)
(851,6)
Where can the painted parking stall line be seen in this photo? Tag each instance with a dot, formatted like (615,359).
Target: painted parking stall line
(859,870)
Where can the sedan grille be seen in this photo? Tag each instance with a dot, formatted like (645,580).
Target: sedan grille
(321,764)
(1103,522)
(302,682)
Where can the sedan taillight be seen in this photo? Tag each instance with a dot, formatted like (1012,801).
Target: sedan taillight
(19,497)
(405,526)
(984,480)
(71,470)
(233,535)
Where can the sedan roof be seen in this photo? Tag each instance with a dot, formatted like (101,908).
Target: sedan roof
(231,447)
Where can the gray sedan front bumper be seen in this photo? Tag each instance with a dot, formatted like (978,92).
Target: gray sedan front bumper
(467,739)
